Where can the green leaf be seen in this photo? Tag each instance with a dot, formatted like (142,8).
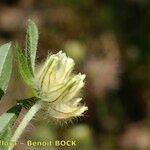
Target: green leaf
(31,44)
(15,110)
(6,122)
(8,119)
(6,136)
(27,103)
(24,68)
(5,66)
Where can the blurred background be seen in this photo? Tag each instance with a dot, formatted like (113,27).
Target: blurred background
(110,42)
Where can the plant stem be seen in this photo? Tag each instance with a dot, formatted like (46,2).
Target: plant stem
(25,121)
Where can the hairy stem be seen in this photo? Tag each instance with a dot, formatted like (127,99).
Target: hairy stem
(25,121)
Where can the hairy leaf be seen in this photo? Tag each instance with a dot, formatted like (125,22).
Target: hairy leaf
(27,103)
(24,68)
(6,121)
(15,110)
(31,44)
(5,66)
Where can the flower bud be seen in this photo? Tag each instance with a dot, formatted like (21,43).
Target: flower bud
(58,87)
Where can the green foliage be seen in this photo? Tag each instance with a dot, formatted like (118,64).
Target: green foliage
(31,44)
(6,122)
(5,66)
(26,63)
(24,68)
(15,110)
(27,103)
(9,118)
